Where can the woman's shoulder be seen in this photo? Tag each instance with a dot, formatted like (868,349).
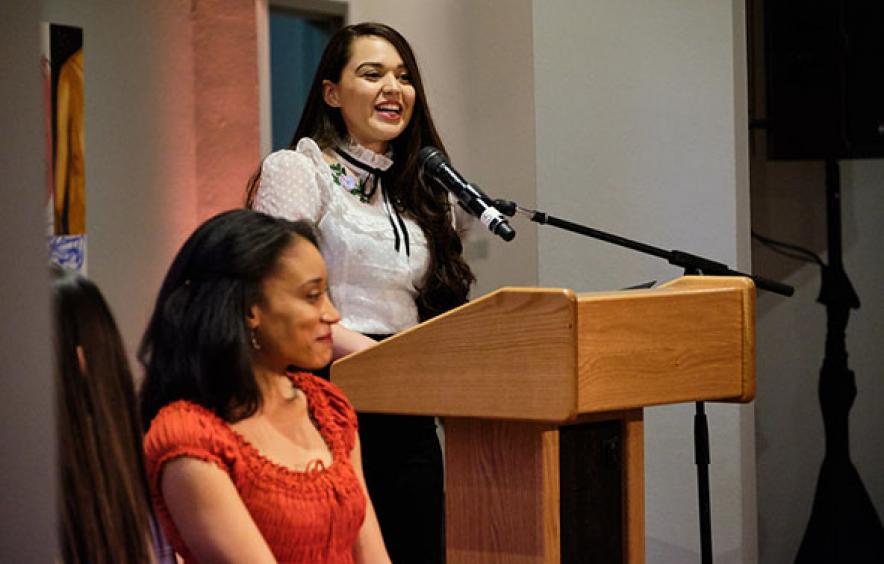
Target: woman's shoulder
(295,183)
(183,427)
(305,156)
(183,412)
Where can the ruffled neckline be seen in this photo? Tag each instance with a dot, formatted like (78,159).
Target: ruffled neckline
(318,410)
(366,156)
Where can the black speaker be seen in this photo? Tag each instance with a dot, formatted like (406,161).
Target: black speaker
(825,78)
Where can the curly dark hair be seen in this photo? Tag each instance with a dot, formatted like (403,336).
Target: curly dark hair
(449,277)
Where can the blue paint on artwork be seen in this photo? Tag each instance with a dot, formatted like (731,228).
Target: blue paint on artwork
(68,251)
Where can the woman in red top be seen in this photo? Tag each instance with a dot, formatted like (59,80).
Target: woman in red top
(250,460)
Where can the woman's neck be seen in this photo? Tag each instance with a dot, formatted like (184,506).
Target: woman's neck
(276,388)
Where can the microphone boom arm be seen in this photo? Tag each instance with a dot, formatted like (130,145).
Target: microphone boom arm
(691,263)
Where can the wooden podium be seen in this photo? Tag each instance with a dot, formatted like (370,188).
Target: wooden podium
(542,393)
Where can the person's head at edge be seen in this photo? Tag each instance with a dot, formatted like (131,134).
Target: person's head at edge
(246,297)
(104,505)
(356,63)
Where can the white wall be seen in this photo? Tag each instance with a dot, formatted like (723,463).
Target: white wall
(27,438)
(640,109)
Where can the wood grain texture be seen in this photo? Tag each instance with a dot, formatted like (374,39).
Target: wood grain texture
(548,355)
(746,289)
(686,341)
(551,496)
(502,492)
(633,487)
(508,355)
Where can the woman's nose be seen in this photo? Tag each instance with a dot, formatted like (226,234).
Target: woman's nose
(330,313)
(391,83)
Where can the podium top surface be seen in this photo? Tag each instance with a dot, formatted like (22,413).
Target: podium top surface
(542,354)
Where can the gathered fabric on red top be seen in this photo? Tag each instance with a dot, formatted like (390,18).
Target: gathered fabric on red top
(311,516)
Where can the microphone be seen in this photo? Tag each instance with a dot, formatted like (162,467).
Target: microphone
(469,196)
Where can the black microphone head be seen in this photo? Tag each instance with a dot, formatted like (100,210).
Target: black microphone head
(431,157)
(505,232)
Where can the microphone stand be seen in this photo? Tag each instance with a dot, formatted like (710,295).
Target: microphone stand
(692,265)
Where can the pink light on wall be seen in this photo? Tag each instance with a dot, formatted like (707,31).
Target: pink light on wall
(226,102)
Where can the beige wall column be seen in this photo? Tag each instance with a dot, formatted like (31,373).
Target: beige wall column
(27,437)
(225,86)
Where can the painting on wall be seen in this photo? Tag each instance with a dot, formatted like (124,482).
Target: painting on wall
(62,67)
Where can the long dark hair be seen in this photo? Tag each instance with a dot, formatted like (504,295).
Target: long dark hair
(196,346)
(104,501)
(449,277)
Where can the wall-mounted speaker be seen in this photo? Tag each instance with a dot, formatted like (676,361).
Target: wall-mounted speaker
(825,78)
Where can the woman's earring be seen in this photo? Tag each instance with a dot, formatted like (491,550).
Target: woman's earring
(253,337)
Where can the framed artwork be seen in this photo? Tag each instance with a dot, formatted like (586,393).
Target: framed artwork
(62,68)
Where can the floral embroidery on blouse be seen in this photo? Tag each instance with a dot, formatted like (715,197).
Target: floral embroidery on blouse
(349,182)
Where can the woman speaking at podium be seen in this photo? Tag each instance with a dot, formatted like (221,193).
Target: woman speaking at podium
(392,245)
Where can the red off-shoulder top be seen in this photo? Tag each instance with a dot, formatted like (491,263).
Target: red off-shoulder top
(311,516)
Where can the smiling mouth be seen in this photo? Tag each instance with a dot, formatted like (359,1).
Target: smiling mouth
(389,110)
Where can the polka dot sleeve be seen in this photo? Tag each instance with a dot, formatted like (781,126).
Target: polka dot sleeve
(289,187)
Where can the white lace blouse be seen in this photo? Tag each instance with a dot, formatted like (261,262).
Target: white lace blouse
(373,280)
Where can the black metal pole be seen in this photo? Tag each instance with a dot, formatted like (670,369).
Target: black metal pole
(702,459)
(833,213)
(701,455)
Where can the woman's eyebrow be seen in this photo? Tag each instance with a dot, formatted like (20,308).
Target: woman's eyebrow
(375,65)
(317,280)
